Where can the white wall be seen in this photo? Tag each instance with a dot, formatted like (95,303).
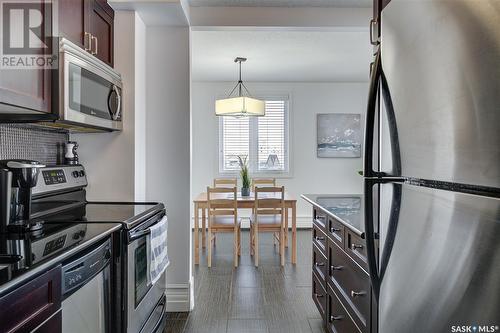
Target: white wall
(168,149)
(140,108)
(310,174)
(109,157)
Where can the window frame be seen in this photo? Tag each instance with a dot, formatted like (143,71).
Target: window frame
(253,144)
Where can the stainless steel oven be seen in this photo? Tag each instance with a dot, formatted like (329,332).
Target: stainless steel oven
(90,91)
(145,301)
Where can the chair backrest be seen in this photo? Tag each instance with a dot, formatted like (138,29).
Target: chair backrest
(271,182)
(222,201)
(269,200)
(226,182)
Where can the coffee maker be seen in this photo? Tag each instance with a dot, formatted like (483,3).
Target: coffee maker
(17,179)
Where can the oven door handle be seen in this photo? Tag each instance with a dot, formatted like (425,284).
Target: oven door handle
(133,235)
(138,234)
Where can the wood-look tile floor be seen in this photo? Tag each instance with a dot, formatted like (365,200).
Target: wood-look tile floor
(249,299)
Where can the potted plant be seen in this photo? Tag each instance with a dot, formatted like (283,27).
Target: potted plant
(245,178)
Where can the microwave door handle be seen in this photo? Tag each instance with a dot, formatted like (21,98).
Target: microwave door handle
(116,113)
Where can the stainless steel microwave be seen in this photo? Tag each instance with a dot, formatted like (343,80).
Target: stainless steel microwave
(90,91)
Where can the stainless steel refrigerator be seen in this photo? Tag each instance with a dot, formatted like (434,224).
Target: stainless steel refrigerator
(432,167)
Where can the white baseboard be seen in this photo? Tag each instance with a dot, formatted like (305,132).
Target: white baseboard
(303,222)
(180,297)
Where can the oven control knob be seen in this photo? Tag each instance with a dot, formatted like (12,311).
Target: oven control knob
(81,173)
(75,174)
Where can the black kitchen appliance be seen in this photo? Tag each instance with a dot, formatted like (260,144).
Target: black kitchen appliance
(59,201)
(19,177)
(432,167)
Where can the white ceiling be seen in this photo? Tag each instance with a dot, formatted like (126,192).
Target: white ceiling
(307,56)
(280,3)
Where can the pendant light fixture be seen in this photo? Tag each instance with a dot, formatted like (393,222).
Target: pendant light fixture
(241,104)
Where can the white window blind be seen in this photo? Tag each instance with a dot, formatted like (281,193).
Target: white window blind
(271,137)
(235,141)
(263,140)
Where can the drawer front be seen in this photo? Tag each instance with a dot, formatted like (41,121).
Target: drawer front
(319,239)
(31,304)
(356,248)
(338,319)
(319,295)
(351,282)
(336,230)
(319,263)
(320,219)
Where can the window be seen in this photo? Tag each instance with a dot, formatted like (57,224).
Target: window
(264,140)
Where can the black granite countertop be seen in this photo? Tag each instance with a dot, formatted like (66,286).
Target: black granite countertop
(35,259)
(348,209)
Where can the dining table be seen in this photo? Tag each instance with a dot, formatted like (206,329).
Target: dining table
(200,203)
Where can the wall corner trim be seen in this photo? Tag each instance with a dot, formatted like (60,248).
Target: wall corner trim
(180,296)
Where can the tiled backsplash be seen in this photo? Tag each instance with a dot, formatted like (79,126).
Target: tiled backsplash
(27,141)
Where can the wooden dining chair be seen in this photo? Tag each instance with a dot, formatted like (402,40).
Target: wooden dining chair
(223,217)
(270,182)
(268,216)
(225,182)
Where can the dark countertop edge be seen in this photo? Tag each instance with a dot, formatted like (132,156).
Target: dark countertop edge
(326,211)
(135,220)
(57,260)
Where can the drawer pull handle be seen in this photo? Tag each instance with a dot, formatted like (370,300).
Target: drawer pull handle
(332,230)
(334,318)
(356,246)
(357,293)
(320,264)
(320,238)
(319,295)
(336,268)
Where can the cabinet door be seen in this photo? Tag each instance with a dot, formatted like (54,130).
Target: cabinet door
(72,21)
(31,304)
(52,325)
(28,88)
(101,18)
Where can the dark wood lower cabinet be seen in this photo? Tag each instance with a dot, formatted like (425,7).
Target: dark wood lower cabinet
(338,319)
(341,284)
(51,325)
(33,305)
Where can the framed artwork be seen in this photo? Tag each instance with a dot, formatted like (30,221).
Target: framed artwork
(338,135)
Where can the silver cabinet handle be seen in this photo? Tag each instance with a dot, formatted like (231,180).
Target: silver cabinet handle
(356,246)
(357,293)
(92,38)
(319,238)
(320,264)
(87,40)
(319,295)
(332,230)
(335,318)
(372,40)
(336,268)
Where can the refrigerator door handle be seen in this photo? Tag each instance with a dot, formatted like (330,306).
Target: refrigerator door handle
(377,76)
(370,238)
(371,110)
(393,128)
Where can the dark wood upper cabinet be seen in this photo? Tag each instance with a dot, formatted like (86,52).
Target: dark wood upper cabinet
(89,24)
(101,18)
(26,88)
